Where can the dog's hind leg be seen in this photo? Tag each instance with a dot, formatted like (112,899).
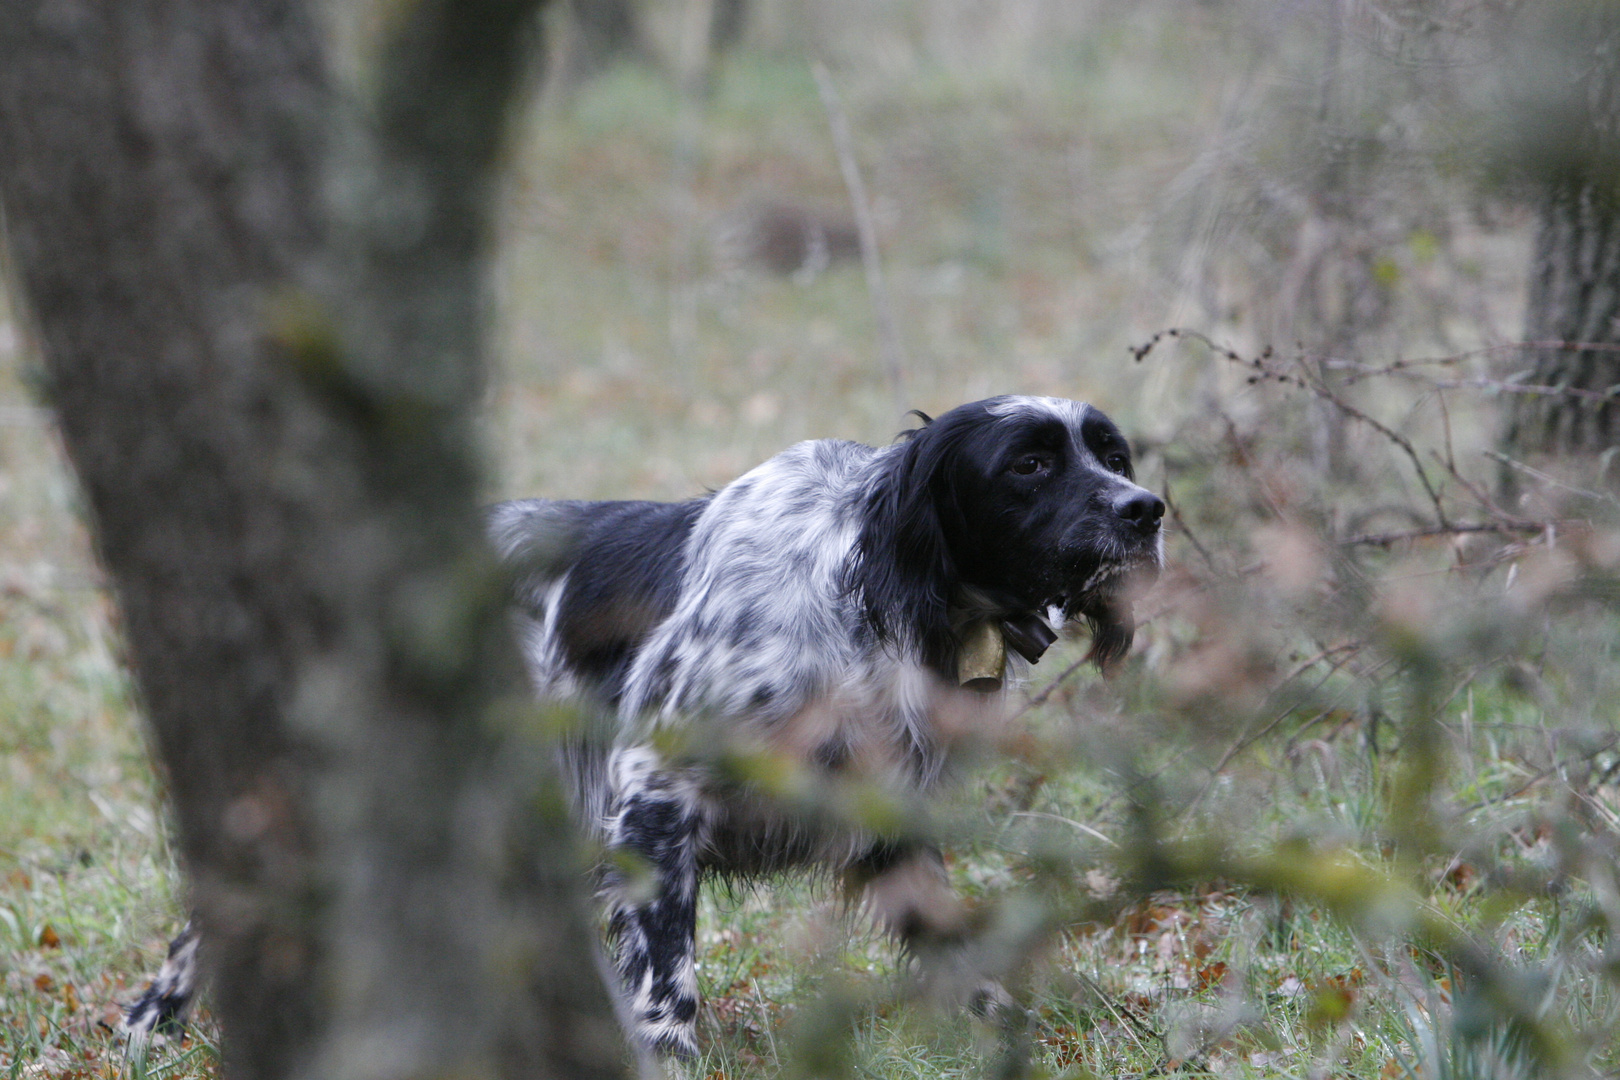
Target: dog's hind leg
(652,902)
(163,1005)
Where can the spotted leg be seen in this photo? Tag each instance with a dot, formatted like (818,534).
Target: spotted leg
(652,904)
(163,1006)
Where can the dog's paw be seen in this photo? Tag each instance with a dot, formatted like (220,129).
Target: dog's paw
(155,1019)
(990,1000)
(677,1043)
(159,1014)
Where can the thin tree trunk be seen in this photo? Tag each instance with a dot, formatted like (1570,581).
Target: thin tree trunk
(608,31)
(261,331)
(1572,153)
(1574,297)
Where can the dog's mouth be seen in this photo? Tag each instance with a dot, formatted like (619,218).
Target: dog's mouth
(1104,595)
(1106,588)
(1097,587)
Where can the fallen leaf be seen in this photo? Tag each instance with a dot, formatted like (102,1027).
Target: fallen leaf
(1330,1005)
(1461,876)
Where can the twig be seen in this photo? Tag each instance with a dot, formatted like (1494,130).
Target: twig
(1453,529)
(1261,482)
(1399,366)
(1403,368)
(1551,770)
(1479,493)
(1320,389)
(1291,747)
(893,352)
(1186,530)
(1140,1028)
(1510,385)
(1059,679)
(1500,386)
(1445,423)
(1076,825)
(1250,738)
(1305,382)
(1546,479)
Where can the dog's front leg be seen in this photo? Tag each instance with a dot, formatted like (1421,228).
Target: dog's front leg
(652,907)
(903,887)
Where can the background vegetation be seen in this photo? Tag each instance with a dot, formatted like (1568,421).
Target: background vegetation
(1350,809)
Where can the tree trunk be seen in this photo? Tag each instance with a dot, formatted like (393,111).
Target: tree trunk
(260,323)
(608,31)
(1574,298)
(1574,295)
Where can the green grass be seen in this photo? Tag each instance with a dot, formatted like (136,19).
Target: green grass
(87,882)
(1030,188)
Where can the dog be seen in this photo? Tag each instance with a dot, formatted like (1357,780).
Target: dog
(848,609)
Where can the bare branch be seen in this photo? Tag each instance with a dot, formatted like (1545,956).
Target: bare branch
(893,351)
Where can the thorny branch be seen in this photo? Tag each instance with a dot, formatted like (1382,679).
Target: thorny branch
(1265,368)
(1264,371)
(1514,530)
(1517,533)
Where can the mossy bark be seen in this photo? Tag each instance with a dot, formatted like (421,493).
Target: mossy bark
(259,310)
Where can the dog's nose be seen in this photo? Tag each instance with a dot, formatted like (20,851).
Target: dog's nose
(1142,509)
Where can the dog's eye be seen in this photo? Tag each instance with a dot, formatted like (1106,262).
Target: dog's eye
(1117,461)
(1030,464)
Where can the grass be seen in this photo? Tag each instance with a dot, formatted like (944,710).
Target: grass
(1031,185)
(87,882)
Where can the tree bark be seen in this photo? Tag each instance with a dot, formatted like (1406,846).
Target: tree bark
(1574,294)
(1574,301)
(608,31)
(260,322)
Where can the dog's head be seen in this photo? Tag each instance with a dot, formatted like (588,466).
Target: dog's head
(1024,503)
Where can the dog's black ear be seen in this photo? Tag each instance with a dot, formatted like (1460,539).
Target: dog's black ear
(902,572)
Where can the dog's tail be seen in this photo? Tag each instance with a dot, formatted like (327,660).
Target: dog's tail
(538,539)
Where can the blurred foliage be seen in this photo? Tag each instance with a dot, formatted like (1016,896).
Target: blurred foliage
(1351,807)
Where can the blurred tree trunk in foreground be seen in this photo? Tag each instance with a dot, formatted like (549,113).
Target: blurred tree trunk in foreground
(260,321)
(1575,271)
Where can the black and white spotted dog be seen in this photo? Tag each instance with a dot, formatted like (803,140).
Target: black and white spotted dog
(819,607)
